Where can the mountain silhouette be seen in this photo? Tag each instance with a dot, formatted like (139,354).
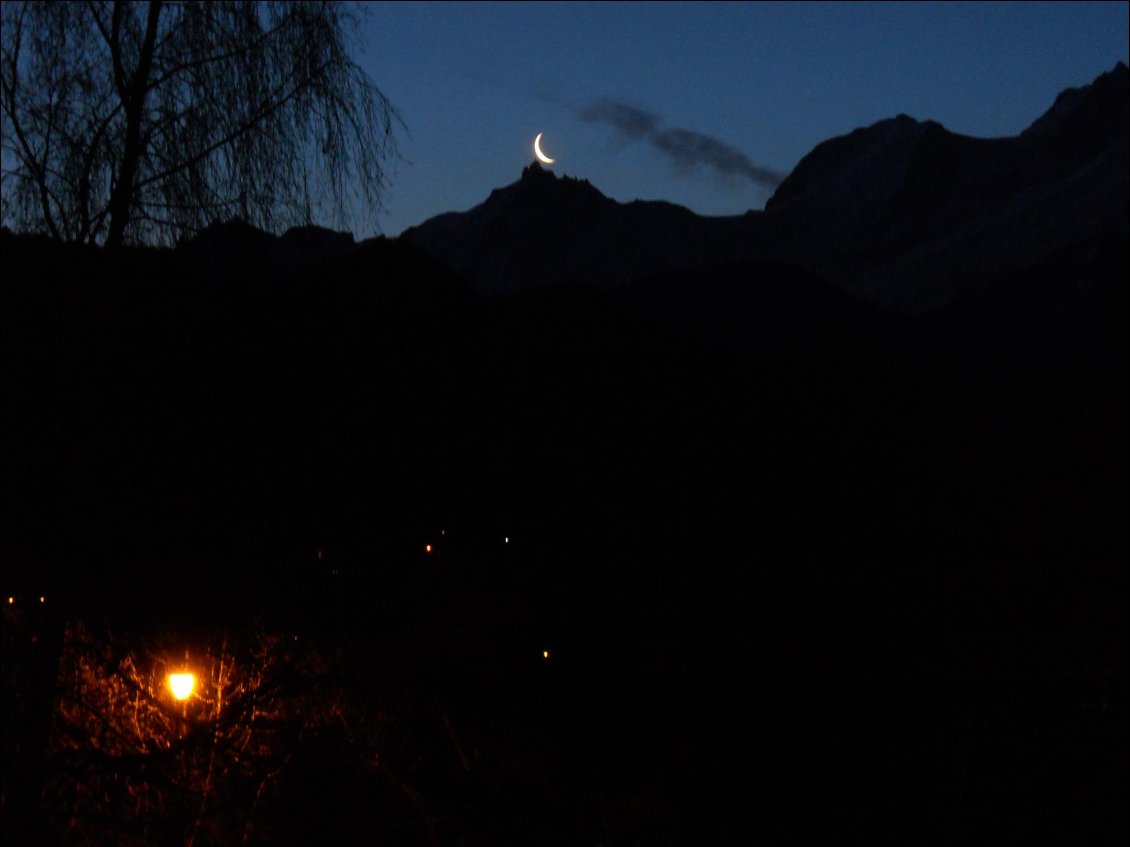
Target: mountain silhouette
(544,230)
(236,240)
(910,214)
(903,213)
(679,453)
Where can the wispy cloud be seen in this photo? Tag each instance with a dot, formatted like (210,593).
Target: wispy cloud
(627,120)
(687,149)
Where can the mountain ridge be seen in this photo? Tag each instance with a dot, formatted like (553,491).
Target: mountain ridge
(903,213)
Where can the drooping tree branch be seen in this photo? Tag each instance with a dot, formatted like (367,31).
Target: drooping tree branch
(110,116)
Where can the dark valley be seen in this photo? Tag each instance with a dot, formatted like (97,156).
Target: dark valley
(600,522)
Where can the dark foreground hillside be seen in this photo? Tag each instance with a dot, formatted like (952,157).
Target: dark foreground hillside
(723,555)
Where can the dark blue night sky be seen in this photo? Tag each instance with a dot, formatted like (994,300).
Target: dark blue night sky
(474,83)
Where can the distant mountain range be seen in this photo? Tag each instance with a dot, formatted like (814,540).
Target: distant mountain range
(764,522)
(902,213)
(682,452)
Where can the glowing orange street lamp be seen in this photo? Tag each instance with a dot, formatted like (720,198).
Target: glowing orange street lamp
(182,684)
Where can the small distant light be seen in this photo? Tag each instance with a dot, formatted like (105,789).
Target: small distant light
(506,539)
(42,599)
(545,654)
(443,532)
(319,555)
(427,548)
(11,600)
(181,684)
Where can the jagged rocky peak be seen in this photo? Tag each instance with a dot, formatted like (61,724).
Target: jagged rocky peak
(534,173)
(538,184)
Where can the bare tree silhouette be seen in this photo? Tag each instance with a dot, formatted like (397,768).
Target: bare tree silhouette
(129,122)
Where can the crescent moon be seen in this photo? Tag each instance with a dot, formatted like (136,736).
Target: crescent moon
(537,151)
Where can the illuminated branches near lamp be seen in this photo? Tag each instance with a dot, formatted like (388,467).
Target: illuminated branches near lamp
(143,743)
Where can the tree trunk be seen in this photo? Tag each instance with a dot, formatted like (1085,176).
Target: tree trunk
(133,97)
